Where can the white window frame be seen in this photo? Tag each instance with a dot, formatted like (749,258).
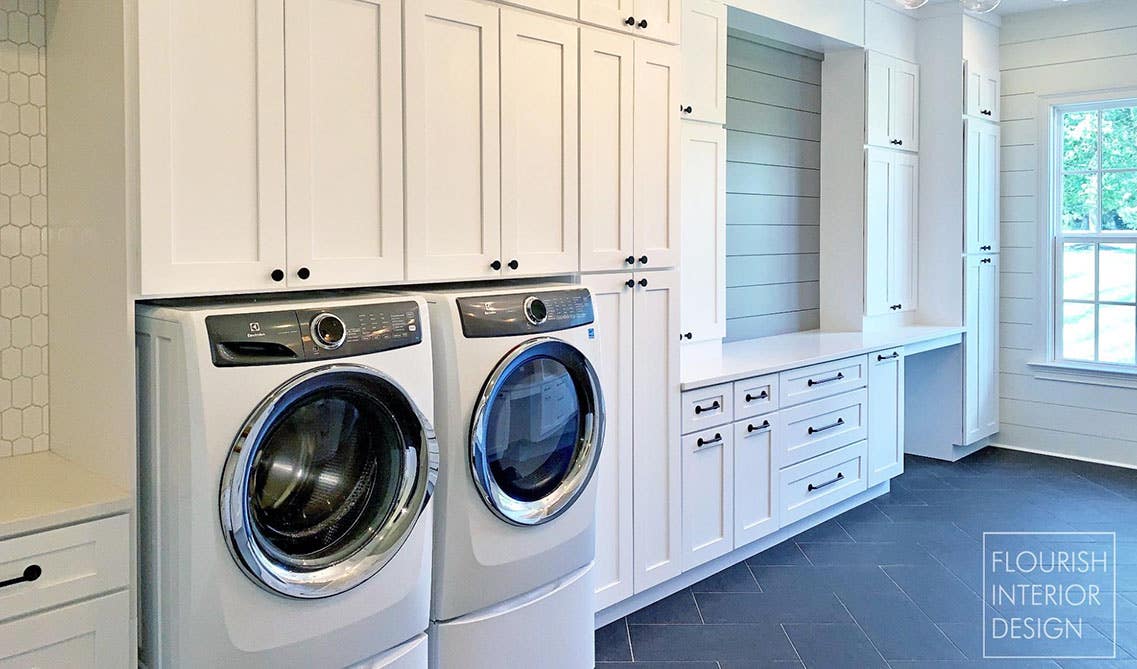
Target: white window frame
(1052,237)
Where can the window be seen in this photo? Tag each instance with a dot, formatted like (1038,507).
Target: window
(1094,192)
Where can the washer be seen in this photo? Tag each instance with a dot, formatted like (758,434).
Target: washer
(287,468)
(520,428)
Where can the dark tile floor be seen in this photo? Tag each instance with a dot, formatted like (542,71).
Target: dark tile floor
(892,583)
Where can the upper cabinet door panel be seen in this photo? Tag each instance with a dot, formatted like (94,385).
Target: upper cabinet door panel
(452,139)
(344,141)
(703,275)
(704,60)
(605,150)
(658,19)
(211,145)
(902,231)
(539,175)
(876,101)
(566,8)
(892,103)
(610,14)
(878,180)
(657,173)
(981,174)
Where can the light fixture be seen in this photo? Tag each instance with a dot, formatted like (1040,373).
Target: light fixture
(911,4)
(979,6)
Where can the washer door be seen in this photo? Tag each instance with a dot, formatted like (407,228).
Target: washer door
(537,431)
(326,480)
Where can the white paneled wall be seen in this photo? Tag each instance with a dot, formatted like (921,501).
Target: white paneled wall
(23,229)
(1066,50)
(773,184)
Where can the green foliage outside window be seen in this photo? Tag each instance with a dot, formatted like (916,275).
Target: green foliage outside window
(1115,130)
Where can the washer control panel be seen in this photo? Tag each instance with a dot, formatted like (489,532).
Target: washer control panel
(525,313)
(277,337)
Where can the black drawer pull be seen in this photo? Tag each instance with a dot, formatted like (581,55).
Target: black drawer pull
(31,573)
(811,382)
(761,396)
(815,430)
(707,442)
(830,482)
(881,358)
(712,407)
(754,428)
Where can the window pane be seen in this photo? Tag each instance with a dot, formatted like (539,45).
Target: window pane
(1078,331)
(1118,329)
(1118,281)
(1079,202)
(1119,138)
(1079,140)
(1119,201)
(1078,272)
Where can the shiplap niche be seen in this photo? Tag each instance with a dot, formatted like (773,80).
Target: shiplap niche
(773,184)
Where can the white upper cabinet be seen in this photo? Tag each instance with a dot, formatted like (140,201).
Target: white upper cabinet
(565,8)
(452,140)
(892,100)
(704,61)
(703,267)
(981,187)
(211,145)
(891,186)
(982,92)
(657,19)
(981,347)
(344,141)
(629,149)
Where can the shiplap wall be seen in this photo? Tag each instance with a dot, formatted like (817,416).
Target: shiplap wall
(773,183)
(1065,50)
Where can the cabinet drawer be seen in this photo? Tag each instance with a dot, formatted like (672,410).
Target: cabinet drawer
(754,397)
(811,429)
(74,562)
(829,378)
(94,634)
(813,485)
(707,407)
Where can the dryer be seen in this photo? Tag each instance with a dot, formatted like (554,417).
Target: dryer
(287,468)
(520,428)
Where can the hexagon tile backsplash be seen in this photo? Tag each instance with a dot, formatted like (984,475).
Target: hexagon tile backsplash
(23,228)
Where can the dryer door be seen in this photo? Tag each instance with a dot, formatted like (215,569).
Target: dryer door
(537,431)
(326,480)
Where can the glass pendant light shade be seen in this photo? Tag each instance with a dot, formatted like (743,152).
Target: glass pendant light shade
(911,4)
(979,6)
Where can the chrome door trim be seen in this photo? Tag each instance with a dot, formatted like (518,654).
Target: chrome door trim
(420,473)
(585,459)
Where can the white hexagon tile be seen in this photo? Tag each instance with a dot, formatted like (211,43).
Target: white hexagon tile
(23,229)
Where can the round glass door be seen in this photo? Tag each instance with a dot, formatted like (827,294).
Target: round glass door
(325,481)
(537,431)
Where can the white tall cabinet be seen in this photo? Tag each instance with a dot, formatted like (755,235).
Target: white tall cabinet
(891,244)
(981,186)
(703,268)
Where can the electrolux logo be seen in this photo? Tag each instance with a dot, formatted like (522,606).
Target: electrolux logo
(1049,595)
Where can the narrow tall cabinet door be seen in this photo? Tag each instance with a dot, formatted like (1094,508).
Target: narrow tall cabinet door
(345,141)
(981,347)
(981,174)
(904,184)
(657,458)
(878,183)
(612,302)
(658,19)
(453,222)
(904,104)
(656,176)
(605,150)
(609,14)
(704,60)
(539,144)
(703,270)
(885,415)
(211,145)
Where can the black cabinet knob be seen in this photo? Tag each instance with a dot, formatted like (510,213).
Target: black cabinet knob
(631,260)
(643,282)
(303,273)
(985,248)
(513,264)
(642,23)
(985,260)
(900,142)
(643,260)
(629,283)
(495,265)
(630,21)
(277,275)
(686,110)
(688,335)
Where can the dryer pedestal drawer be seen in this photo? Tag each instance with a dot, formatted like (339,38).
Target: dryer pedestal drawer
(809,430)
(71,562)
(816,381)
(813,485)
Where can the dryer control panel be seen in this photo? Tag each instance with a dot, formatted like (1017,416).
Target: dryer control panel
(278,337)
(525,313)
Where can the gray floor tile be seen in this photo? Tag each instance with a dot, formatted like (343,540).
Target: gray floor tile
(785,553)
(865,554)
(828,532)
(732,579)
(944,531)
(676,609)
(760,642)
(833,645)
(838,579)
(771,607)
(899,629)
(943,597)
(612,642)
(657,665)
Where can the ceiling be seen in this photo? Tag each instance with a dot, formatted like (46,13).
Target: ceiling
(1016,6)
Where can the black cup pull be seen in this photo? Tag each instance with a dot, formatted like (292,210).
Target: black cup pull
(830,482)
(643,282)
(707,442)
(760,396)
(31,573)
(630,21)
(631,260)
(642,23)
(754,428)
(277,275)
(881,358)
(495,265)
(815,430)
(629,283)
(831,379)
(303,273)
(513,264)
(700,409)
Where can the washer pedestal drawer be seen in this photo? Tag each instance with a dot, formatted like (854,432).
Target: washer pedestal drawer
(818,483)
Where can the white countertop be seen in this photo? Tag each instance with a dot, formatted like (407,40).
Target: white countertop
(766,355)
(43,490)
